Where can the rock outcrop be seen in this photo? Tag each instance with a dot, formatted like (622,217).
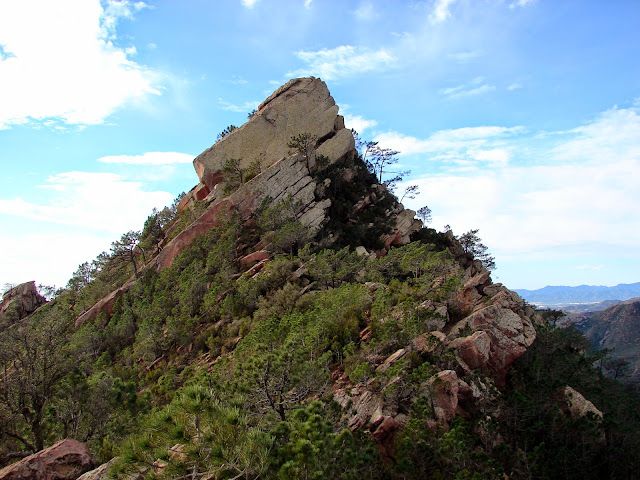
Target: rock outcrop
(576,406)
(485,326)
(100,473)
(500,326)
(66,460)
(21,301)
(301,106)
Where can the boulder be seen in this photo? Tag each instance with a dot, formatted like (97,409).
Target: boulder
(576,406)
(21,301)
(429,342)
(254,257)
(66,460)
(444,395)
(99,473)
(508,336)
(474,350)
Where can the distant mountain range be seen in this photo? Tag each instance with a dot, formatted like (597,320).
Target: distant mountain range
(562,296)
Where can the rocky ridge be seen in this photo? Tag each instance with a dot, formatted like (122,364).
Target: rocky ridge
(301,106)
(496,328)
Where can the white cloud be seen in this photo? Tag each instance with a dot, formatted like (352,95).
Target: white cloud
(521,3)
(63,63)
(514,86)
(95,201)
(249,3)
(614,134)
(365,12)
(246,107)
(580,201)
(48,258)
(358,122)
(470,89)
(497,157)
(149,158)
(307,4)
(465,57)
(539,211)
(485,143)
(441,11)
(343,61)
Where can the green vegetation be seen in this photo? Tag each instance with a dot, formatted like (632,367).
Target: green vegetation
(226,132)
(218,368)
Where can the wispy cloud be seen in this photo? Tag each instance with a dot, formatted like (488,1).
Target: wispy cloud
(246,107)
(249,3)
(66,66)
(613,135)
(468,145)
(590,267)
(470,89)
(365,12)
(86,199)
(514,86)
(307,4)
(343,61)
(358,123)
(441,11)
(149,158)
(521,3)
(465,57)
(580,187)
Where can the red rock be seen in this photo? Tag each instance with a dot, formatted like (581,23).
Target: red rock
(474,350)
(255,257)
(385,429)
(66,460)
(23,299)
(428,342)
(104,305)
(213,217)
(510,335)
(479,280)
(444,387)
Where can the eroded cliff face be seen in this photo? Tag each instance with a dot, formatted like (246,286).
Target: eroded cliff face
(301,106)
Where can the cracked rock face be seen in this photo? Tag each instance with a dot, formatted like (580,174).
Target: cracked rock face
(302,105)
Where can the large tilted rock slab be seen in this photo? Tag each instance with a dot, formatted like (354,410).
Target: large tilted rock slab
(302,105)
(66,460)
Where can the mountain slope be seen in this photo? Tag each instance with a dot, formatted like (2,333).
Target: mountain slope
(290,319)
(616,328)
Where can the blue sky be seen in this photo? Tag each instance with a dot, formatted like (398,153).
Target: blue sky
(517,117)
